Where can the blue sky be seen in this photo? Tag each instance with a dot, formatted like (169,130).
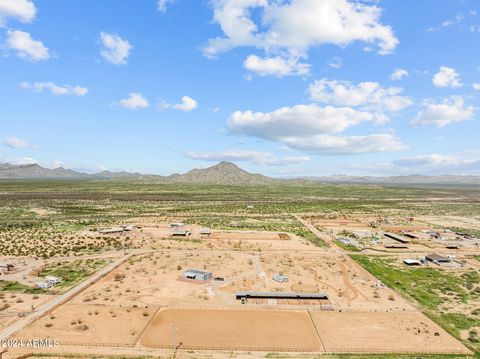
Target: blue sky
(285,87)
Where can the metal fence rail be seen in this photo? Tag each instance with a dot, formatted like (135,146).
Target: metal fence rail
(269,349)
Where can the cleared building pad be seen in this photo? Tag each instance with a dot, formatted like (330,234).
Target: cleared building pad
(232,329)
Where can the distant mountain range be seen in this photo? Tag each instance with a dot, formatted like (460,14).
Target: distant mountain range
(225,173)
(400,180)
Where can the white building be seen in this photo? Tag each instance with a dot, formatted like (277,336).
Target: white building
(50,279)
(280,278)
(42,285)
(194,274)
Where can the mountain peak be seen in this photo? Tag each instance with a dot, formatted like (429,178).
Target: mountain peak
(226,166)
(225,173)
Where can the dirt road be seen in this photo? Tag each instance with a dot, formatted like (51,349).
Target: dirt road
(45,308)
(324,237)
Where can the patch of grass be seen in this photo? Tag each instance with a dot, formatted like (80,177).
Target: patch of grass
(311,237)
(270,223)
(73,272)
(347,247)
(421,284)
(430,288)
(16,287)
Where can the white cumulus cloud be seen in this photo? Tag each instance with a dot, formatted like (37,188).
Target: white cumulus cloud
(399,74)
(22,10)
(447,77)
(299,120)
(448,111)
(476,86)
(290,29)
(313,128)
(55,89)
(26,47)
(276,66)
(115,49)
(134,101)
(186,105)
(257,157)
(346,145)
(366,95)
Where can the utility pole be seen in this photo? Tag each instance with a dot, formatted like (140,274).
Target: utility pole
(175,337)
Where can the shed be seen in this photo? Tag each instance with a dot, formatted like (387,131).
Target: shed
(42,285)
(280,278)
(437,259)
(50,279)
(396,237)
(194,274)
(205,231)
(412,262)
(280,295)
(395,245)
(180,233)
(112,230)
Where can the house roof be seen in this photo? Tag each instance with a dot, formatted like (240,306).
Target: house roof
(292,295)
(180,232)
(113,229)
(411,261)
(436,257)
(196,271)
(397,237)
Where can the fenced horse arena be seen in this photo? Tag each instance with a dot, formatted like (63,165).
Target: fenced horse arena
(302,331)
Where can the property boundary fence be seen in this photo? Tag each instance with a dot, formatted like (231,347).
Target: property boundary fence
(251,307)
(272,349)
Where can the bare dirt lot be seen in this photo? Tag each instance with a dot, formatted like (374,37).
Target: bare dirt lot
(347,285)
(13,304)
(154,279)
(248,330)
(452,221)
(383,332)
(91,324)
(248,235)
(256,245)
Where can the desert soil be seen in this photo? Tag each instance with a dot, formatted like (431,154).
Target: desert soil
(235,329)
